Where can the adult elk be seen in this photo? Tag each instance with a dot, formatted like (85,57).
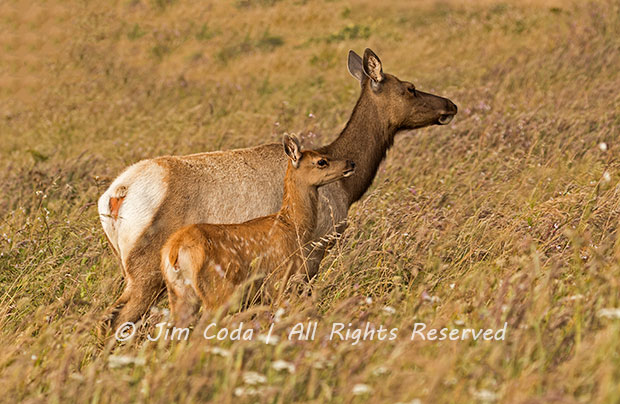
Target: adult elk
(153,198)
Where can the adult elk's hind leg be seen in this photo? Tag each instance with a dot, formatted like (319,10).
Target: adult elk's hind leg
(144,282)
(111,313)
(130,212)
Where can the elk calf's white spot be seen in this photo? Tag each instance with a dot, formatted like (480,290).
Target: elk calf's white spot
(218,269)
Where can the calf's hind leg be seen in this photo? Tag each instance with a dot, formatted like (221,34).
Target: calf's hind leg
(182,299)
(183,306)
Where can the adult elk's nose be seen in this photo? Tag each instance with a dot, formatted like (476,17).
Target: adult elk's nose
(445,117)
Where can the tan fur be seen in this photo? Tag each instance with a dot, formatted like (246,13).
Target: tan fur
(210,261)
(238,185)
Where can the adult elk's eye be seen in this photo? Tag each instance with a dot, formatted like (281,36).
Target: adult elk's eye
(322,163)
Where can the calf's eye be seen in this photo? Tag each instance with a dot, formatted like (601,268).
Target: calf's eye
(322,163)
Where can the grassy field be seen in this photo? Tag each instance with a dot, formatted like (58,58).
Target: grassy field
(507,215)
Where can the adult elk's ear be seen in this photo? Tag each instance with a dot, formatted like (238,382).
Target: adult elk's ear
(373,69)
(292,148)
(355,66)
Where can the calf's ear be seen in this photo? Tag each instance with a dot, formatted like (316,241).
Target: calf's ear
(292,148)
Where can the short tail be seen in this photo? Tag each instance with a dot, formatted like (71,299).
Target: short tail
(109,206)
(173,256)
(183,254)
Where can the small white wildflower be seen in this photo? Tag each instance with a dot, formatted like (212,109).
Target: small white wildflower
(311,115)
(450,381)
(220,352)
(428,298)
(576,297)
(117,361)
(76,376)
(368,300)
(273,340)
(602,146)
(606,176)
(318,364)
(278,315)
(361,389)
(452,285)
(459,322)
(485,395)
(389,310)
(245,391)
(414,401)
(34,357)
(613,313)
(280,365)
(381,370)
(253,378)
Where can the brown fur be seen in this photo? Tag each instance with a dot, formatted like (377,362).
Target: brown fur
(238,185)
(218,258)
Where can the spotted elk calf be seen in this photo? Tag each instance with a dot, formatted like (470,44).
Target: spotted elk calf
(207,262)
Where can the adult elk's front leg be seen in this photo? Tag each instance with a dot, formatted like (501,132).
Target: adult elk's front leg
(331,226)
(318,250)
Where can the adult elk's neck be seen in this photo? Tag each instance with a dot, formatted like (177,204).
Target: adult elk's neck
(365,139)
(299,206)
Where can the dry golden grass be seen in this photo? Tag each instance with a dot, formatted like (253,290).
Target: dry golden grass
(509,214)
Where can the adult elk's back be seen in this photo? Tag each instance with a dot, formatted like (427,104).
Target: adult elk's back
(153,198)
